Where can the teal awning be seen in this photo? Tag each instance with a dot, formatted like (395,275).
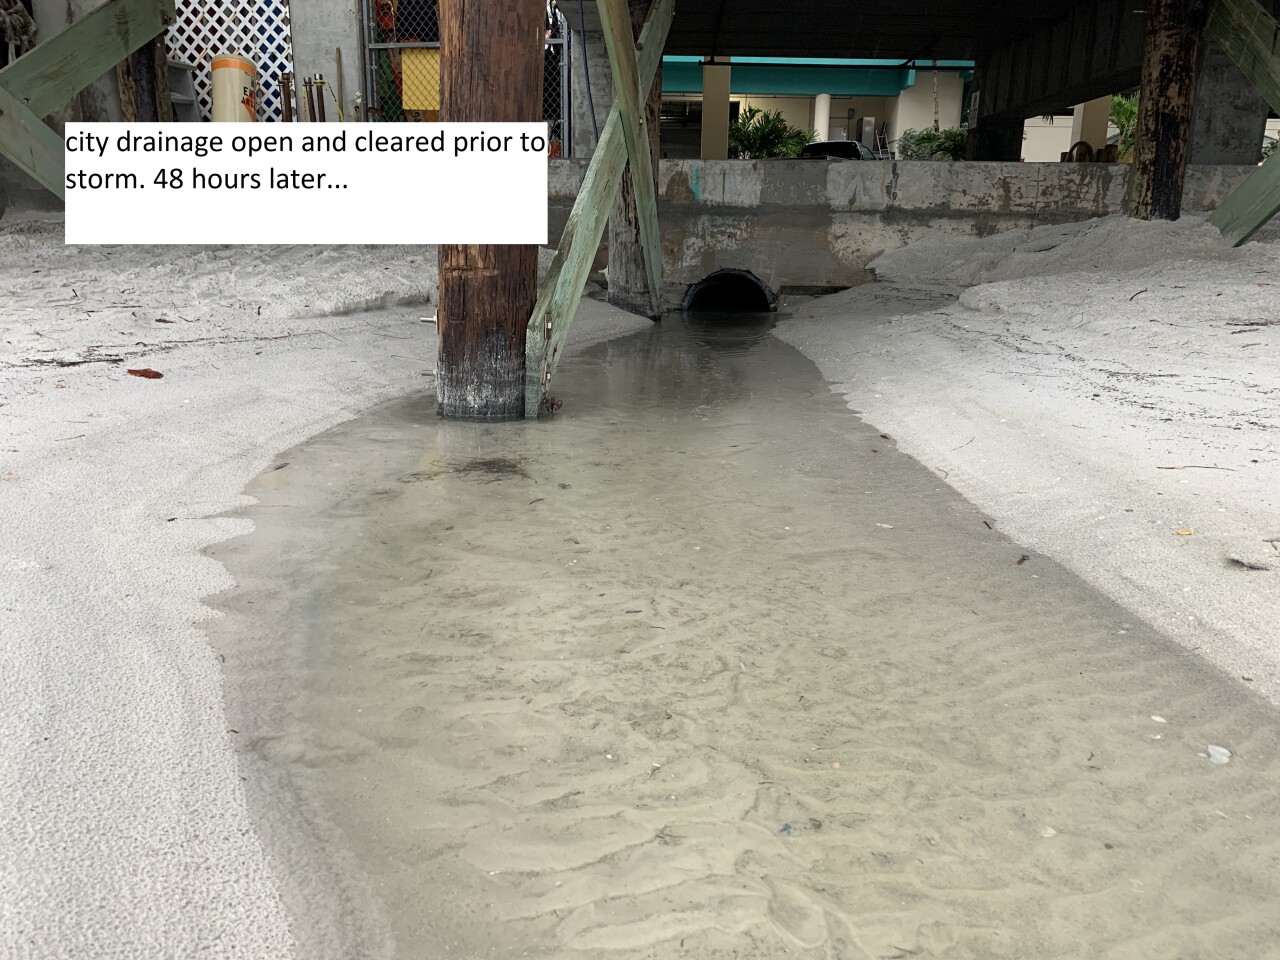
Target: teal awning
(831,62)
(765,76)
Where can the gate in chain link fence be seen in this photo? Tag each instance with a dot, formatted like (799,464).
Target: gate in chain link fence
(402,65)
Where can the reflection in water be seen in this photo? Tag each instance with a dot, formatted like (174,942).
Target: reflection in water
(689,359)
(727,331)
(702,667)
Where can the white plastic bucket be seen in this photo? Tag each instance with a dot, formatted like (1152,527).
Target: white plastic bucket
(235,89)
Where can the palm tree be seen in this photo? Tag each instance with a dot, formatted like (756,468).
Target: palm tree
(1124,117)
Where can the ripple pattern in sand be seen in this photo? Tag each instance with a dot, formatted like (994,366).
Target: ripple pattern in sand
(709,670)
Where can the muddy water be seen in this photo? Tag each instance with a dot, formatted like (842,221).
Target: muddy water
(703,667)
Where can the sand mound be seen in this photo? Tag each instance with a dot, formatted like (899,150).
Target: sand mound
(67,303)
(1101,387)
(1108,245)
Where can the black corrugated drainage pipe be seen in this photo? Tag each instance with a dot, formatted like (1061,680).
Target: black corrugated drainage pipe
(730,291)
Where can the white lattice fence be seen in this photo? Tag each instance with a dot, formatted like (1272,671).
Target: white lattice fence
(259,30)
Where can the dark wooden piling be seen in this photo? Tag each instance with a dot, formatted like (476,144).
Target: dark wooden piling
(143,82)
(491,71)
(1171,58)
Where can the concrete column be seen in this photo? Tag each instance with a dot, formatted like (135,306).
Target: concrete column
(1090,123)
(1230,115)
(715,111)
(583,137)
(895,124)
(822,116)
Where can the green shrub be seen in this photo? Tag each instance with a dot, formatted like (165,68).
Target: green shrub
(761,135)
(949,144)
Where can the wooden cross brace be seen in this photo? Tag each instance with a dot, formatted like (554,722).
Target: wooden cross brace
(1249,35)
(53,72)
(616,21)
(623,138)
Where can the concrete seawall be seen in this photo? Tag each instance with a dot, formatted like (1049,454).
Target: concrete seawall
(812,224)
(817,224)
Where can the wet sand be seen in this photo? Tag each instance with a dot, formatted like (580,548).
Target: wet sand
(705,667)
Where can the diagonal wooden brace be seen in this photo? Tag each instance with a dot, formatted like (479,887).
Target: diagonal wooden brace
(562,289)
(1248,33)
(1250,205)
(53,72)
(616,21)
(30,144)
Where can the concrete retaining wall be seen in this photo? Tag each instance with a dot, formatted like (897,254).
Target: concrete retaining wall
(809,223)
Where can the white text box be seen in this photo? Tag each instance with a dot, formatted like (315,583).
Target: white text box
(159,183)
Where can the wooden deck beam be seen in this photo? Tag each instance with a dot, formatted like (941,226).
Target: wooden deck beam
(562,290)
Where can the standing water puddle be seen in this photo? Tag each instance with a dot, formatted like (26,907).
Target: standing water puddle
(703,667)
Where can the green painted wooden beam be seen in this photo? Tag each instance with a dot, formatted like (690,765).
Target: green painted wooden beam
(53,72)
(615,20)
(1249,34)
(31,144)
(1251,37)
(1251,205)
(562,289)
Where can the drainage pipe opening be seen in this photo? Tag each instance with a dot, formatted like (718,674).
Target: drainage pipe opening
(730,291)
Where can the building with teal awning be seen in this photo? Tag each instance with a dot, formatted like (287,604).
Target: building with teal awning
(859,99)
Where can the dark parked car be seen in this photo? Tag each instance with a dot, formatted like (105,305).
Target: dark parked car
(836,150)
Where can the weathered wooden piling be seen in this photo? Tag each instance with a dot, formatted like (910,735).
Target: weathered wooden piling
(492,66)
(1171,57)
(628,278)
(143,80)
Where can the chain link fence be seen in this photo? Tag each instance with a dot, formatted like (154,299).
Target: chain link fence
(402,82)
(555,82)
